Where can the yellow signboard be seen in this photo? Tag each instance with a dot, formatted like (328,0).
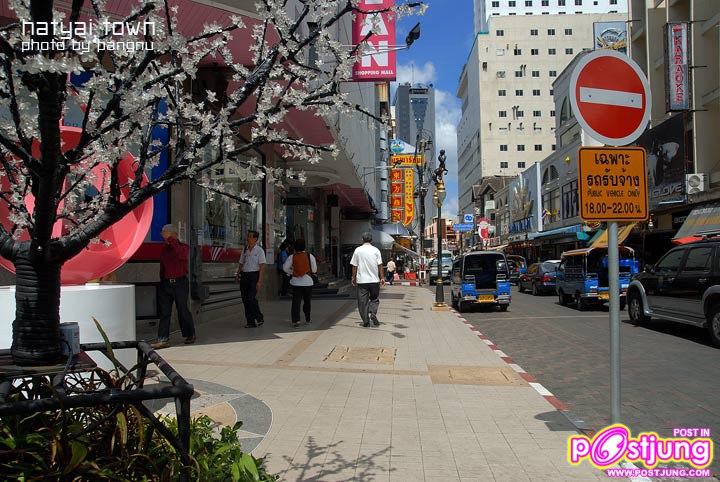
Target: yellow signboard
(409,201)
(612,184)
(407,160)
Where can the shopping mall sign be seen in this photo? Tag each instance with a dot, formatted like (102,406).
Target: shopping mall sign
(407,160)
(612,184)
(402,203)
(377,54)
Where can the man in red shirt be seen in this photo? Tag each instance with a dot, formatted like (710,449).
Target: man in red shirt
(174,287)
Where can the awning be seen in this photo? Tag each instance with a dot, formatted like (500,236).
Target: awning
(382,240)
(600,240)
(497,248)
(701,221)
(408,251)
(394,229)
(576,229)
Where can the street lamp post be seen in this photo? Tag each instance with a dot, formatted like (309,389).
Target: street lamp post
(421,144)
(439,197)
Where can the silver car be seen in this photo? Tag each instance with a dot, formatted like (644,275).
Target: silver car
(446,268)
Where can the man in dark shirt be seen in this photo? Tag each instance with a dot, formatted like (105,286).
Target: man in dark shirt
(174,286)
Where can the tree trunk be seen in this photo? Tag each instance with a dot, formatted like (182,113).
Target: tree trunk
(36,328)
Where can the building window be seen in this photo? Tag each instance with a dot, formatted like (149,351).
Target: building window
(503,147)
(578,2)
(511,3)
(533,32)
(521,147)
(520,113)
(500,74)
(551,51)
(500,33)
(552,91)
(552,147)
(538,147)
(570,200)
(561,3)
(502,113)
(518,73)
(502,93)
(517,51)
(537,113)
(553,73)
(551,31)
(518,92)
(569,51)
(545,3)
(496,4)
(521,164)
(552,113)
(536,73)
(613,2)
(536,92)
(528,3)
(503,165)
(534,51)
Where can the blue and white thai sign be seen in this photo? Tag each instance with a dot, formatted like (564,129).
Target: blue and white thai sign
(463,227)
(468,218)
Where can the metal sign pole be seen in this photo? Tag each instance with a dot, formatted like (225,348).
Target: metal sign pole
(614,288)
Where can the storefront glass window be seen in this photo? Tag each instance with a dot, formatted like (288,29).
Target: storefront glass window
(570,200)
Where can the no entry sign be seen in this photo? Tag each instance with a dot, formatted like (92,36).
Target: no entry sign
(610,97)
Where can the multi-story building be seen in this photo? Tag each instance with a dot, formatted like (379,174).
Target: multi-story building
(485,9)
(508,114)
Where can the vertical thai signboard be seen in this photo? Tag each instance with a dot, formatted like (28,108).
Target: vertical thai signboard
(409,213)
(375,26)
(397,195)
(677,71)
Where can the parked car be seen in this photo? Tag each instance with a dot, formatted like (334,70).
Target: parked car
(480,278)
(582,276)
(539,278)
(684,286)
(445,268)
(517,266)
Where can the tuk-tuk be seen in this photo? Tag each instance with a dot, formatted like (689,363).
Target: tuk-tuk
(582,276)
(480,278)
(517,266)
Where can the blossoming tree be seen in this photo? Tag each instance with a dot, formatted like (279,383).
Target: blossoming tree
(44,182)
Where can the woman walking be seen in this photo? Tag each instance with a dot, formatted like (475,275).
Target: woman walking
(300,265)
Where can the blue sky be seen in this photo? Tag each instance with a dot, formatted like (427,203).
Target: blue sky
(438,56)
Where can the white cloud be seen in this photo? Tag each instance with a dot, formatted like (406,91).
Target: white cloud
(447,117)
(414,74)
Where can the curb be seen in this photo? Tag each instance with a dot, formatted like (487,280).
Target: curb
(531,380)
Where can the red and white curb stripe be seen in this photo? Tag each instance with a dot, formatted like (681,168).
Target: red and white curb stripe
(544,392)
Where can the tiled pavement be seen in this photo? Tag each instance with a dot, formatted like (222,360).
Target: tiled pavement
(374,418)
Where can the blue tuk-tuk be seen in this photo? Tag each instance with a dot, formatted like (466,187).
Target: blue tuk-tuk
(582,276)
(480,278)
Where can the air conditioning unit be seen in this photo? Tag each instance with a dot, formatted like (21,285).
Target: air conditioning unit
(694,183)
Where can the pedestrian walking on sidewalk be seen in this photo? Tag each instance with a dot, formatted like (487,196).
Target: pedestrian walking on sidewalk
(250,275)
(301,265)
(174,287)
(390,271)
(367,275)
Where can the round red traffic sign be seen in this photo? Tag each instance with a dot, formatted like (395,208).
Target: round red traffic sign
(610,97)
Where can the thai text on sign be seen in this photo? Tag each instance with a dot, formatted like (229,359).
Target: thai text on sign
(407,160)
(612,184)
(409,200)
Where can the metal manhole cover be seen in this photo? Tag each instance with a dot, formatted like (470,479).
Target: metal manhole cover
(463,375)
(362,354)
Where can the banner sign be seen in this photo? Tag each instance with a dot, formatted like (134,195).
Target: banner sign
(668,161)
(377,55)
(397,146)
(397,195)
(409,200)
(407,160)
(463,227)
(610,35)
(677,72)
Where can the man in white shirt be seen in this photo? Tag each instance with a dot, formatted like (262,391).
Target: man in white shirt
(250,275)
(300,266)
(367,275)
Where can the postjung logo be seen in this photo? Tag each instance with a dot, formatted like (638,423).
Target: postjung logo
(84,37)
(615,444)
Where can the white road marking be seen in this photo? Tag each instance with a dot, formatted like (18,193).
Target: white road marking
(610,97)
(516,367)
(540,389)
(501,353)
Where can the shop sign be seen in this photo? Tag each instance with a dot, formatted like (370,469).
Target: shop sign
(522,202)
(397,146)
(677,71)
(407,160)
(377,55)
(409,204)
(521,226)
(612,185)
(397,195)
(610,35)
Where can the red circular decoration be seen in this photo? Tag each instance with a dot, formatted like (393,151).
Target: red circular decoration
(124,237)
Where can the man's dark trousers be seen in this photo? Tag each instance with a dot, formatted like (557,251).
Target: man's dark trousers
(368,302)
(174,290)
(248,291)
(304,294)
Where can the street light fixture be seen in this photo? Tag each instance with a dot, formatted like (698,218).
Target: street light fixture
(438,198)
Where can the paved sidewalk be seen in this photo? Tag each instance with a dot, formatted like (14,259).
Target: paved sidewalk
(421,397)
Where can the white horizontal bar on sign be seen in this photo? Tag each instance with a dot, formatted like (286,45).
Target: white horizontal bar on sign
(611,97)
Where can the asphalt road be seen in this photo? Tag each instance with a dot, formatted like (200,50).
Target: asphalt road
(669,371)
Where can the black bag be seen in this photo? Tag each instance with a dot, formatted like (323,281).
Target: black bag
(311,274)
